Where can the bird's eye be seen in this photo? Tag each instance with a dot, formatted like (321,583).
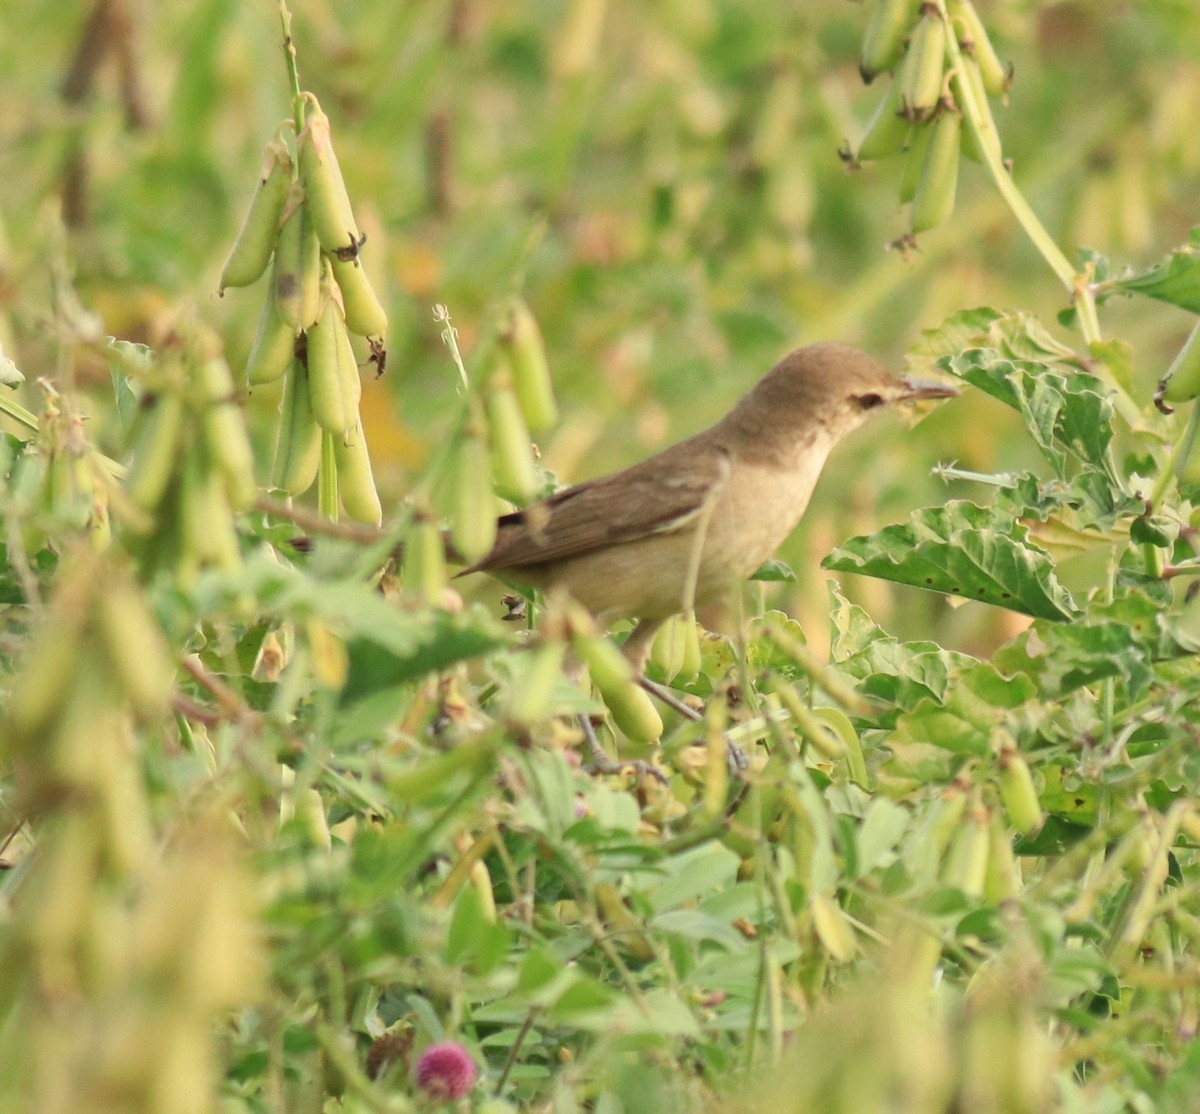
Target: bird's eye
(869,402)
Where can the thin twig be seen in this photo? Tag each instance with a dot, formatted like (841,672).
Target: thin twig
(229,700)
(313,523)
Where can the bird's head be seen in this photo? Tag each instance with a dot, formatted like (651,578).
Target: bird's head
(828,389)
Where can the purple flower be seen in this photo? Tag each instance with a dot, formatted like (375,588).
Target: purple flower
(446,1071)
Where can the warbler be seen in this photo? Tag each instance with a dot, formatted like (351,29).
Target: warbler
(684,527)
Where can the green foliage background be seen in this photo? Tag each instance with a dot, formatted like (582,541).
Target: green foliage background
(668,197)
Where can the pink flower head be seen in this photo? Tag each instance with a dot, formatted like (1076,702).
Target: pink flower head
(446,1071)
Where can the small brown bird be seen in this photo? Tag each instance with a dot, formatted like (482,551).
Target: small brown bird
(682,528)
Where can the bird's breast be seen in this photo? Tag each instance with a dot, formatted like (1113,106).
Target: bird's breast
(761,507)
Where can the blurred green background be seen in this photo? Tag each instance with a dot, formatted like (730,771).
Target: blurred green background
(661,180)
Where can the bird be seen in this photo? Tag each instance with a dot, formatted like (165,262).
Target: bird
(684,527)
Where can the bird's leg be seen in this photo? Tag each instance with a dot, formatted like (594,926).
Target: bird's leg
(637,646)
(637,650)
(661,692)
(600,763)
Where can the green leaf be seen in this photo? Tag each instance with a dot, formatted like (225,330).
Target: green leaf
(694,874)
(1056,836)
(853,629)
(876,838)
(539,968)
(1075,970)
(131,358)
(433,641)
(965,550)
(474,940)
(960,330)
(1122,639)
(774,570)
(1154,529)
(1019,336)
(701,927)
(904,673)
(1117,356)
(1176,279)
(10,374)
(980,700)
(1065,412)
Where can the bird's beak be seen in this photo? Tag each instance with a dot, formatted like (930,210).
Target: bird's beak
(923,390)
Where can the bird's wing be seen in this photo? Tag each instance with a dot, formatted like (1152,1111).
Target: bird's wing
(653,497)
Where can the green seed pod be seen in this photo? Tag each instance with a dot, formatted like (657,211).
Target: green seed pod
(608,667)
(1182,381)
(208,536)
(356,482)
(833,930)
(128,838)
(632,710)
(274,345)
(513,470)
(691,649)
(47,672)
(194,507)
(223,549)
(424,572)
(348,367)
(157,449)
(924,66)
(135,650)
(621,924)
(521,341)
(668,648)
(933,201)
(1018,792)
(297,272)
(967,859)
(887,130)
(824,740)
(946,816)
(298,447)
(333,384)
(324,188)
(365,316)
(252,249)
(613,675)
(973,37)
(309,811)
(914,160)
(225,432)
(634,713)
(473,523)
(1003,882)
(59,897)
(883,43)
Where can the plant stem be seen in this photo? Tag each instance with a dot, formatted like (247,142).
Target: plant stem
(979,119)
(1180,456)
(450,337)
(19,414)
(289,55)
